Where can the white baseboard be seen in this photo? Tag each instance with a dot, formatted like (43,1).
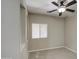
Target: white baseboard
(53,48)
(71,49)
(45,49)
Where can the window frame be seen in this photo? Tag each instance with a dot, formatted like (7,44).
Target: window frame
(39,31)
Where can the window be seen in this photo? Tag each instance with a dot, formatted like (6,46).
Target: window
(39,30)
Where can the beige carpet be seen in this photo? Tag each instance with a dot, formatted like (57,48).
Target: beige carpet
(61,53)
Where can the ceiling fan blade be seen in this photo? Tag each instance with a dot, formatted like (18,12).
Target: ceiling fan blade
(71,3)
(70,10)
(61,3)
(55,3)
(60,14)
(52,11)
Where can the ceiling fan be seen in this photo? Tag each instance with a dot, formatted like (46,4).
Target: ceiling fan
(62,8)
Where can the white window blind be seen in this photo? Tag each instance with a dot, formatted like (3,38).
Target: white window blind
(35,30)
(39,30)
(43,30)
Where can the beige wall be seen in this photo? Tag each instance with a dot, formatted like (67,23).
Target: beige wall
(71,33)
(24,41)
(55,32)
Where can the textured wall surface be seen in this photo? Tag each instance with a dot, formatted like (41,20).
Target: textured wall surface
(71,33)
(11,29)
(55,32)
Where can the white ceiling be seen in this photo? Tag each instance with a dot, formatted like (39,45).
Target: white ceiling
(42,6)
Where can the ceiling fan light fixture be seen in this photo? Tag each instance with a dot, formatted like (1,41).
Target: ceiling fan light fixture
(61,10)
